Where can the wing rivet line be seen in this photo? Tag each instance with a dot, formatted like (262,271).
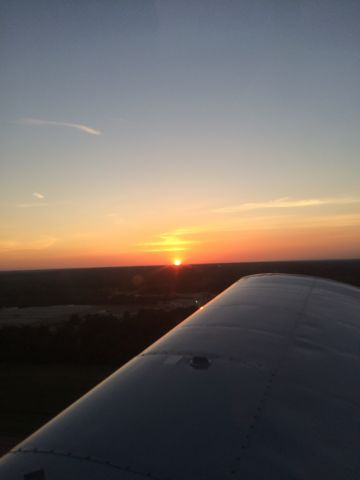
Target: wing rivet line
(268,387)
(90,459)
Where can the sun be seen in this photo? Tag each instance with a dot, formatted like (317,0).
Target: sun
(177,262)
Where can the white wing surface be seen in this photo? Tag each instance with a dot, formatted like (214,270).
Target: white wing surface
(263,382)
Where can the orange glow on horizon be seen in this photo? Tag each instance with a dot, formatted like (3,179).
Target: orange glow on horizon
(247,239)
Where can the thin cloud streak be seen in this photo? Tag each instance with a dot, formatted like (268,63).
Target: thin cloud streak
(167,243)
(183,238)
(43,204)
(31,205)
(38,195)
(273,222)
(286,202)
(78,126)
(41,243)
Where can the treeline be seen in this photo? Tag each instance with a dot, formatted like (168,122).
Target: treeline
(120,285)
(100,339)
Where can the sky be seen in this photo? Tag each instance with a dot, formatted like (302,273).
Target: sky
(134,132)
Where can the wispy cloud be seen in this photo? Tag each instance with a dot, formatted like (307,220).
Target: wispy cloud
(167,243)
(236,225)
(78,126)
(32,205)
(286,202)
(38,195)
(41,243)
(8,245)
(41,203)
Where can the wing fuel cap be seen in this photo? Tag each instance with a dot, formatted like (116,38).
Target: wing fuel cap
(37,475)
(199,362)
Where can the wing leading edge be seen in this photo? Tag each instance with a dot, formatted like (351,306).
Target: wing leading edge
(263,382)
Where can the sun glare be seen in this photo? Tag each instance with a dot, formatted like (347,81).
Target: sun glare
(177,262)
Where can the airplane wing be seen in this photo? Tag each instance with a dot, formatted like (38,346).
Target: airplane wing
(263,382)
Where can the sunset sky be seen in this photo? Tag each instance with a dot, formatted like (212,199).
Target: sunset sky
(134,132)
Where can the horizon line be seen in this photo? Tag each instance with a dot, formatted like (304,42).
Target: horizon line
(184,265)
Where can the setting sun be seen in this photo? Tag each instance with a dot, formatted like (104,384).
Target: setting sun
(177,262)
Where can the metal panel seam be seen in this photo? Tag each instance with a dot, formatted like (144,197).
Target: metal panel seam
(105,463)
(275,371)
